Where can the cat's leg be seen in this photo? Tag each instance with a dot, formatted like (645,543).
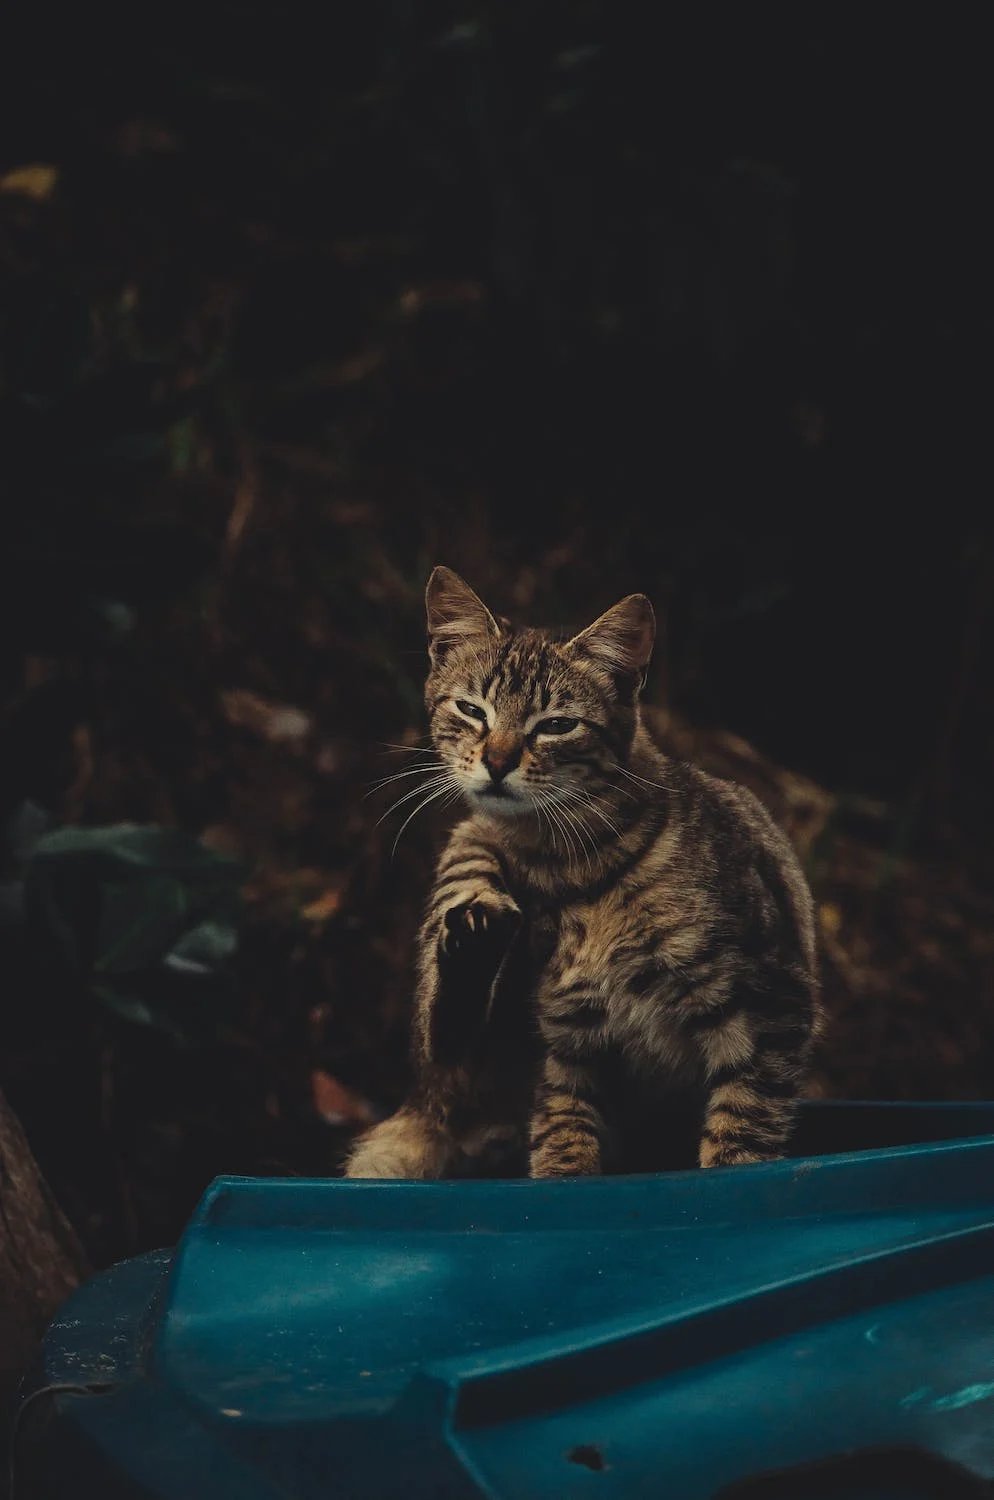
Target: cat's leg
(568,1131)
(748,1117)
(467,933)
(465,951)
(755,1053)
(567,1126)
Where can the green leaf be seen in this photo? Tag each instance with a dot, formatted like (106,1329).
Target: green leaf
(140,918)
(203,949)
(144,917)
(190,1008)
(140,846)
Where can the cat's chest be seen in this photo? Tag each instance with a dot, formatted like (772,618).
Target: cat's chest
(628,974)
(612,940)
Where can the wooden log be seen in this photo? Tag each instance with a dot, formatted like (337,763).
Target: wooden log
(41,1259)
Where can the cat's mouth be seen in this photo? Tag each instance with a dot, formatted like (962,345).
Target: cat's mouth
(497,798)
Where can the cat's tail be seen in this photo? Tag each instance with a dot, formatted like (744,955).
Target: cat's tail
(408,1144)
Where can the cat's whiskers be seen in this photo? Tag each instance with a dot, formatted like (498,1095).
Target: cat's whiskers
(576,821)
(555,817)
(444,778)
(658,786)
(533,804)
(539,814)
(571,819)
(576,850)
(432,797)
(594,803)
(623,790)
(566,795)
(552,827)
(400,775)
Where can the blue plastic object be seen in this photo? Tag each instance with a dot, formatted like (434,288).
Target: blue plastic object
(630,1336)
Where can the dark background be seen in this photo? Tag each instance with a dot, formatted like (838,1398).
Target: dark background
(576,298)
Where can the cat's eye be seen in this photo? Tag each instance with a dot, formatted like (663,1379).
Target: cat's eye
(556,726)
(471,710)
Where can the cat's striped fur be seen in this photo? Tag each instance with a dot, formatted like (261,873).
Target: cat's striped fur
(608,926)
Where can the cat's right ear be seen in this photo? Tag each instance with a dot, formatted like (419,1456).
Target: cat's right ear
(455,614)
(621,640)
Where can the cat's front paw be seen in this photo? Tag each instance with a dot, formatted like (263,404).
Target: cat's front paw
(476,935)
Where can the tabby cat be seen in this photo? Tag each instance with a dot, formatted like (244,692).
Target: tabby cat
(608,926)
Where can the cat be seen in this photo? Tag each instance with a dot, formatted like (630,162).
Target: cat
(608,929)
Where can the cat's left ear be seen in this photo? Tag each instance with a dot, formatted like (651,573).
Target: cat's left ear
(622,639)
(455,614)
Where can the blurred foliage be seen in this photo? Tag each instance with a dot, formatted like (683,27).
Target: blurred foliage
(80,436)
(144,919)
(296,303)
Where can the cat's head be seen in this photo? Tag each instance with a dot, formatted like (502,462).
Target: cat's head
(520,717)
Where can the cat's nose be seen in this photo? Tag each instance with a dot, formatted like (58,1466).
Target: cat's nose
(501,755)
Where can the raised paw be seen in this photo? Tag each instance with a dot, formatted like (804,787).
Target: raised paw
(476,936)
